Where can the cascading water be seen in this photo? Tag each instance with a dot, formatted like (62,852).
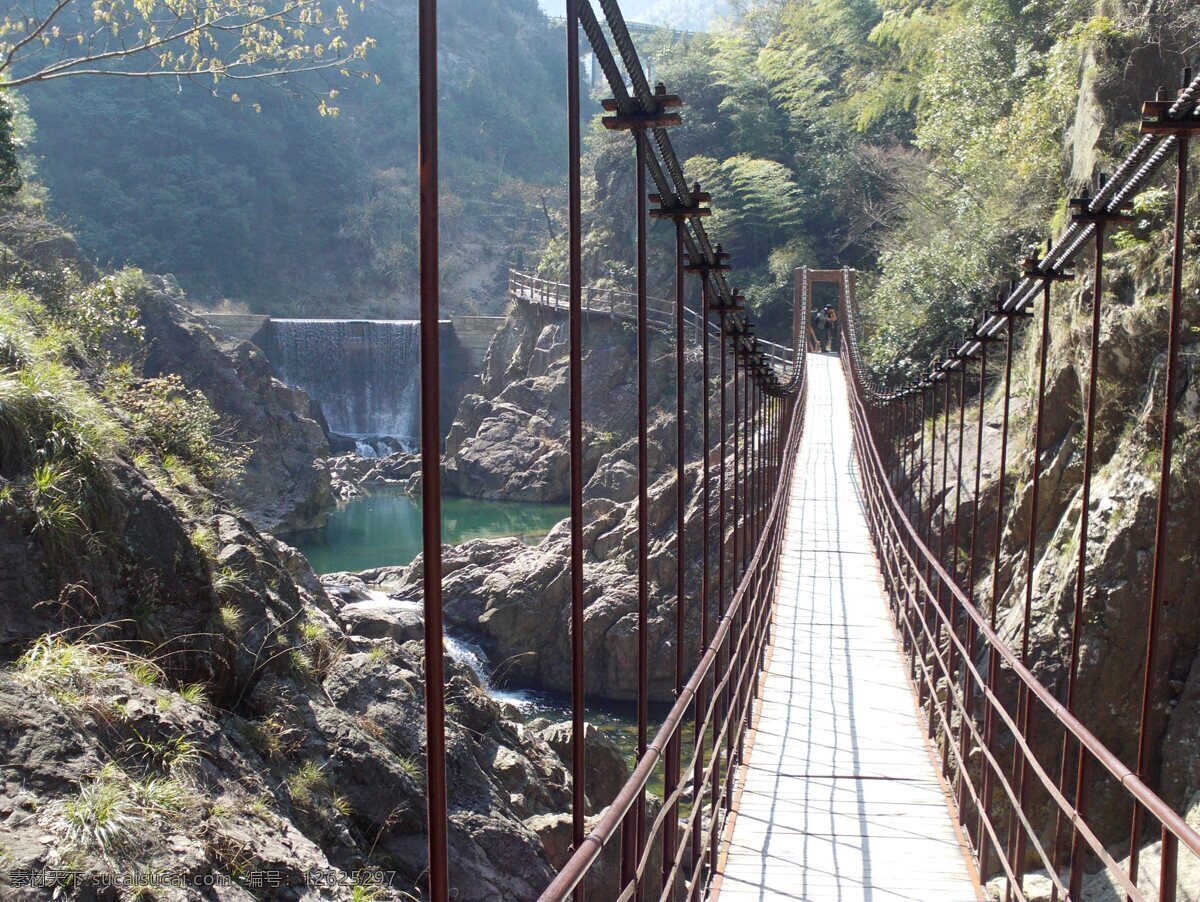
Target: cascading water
(365,374)
(466,653)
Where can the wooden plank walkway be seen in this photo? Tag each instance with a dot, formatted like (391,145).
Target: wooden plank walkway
(841,799)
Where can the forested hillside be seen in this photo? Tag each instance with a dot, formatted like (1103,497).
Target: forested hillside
(927,143)
(249,193)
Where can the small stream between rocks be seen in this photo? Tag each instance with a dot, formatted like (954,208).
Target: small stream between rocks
(616,719)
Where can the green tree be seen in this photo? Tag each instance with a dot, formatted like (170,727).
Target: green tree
(10,166)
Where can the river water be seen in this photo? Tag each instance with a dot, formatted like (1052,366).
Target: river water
(384,528)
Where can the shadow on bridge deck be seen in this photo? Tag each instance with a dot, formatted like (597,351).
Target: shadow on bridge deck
(841,799)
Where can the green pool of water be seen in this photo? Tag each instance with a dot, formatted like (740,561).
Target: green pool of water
(384,528)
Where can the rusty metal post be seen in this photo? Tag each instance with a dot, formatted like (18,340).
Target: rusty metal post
(719,707)
(575,433)
(1170,402)
(1078,853)
(738,465)
(671,774)
(923,465)
(1020,771)
(933,449)
(962,408)
(643,550)
(993,670)
(733,697)
(431,458)
(932,725)
(944,602)
(705,570)
(1168,870)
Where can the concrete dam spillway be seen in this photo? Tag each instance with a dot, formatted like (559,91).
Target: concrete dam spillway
(365,374)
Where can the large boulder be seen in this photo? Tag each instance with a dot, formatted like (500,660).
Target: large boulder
(509,439)
(606,769)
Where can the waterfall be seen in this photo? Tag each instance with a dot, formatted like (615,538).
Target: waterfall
(461,651)
(365,374)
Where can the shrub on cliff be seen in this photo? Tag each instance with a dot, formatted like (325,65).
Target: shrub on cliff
(181,423)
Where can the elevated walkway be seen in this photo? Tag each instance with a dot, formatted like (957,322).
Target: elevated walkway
(841,798)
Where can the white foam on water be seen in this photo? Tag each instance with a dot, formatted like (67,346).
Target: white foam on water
(460,651)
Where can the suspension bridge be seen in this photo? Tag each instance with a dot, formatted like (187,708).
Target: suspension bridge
(857,727)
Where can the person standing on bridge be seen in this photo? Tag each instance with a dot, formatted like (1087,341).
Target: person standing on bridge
(828,334)
(818,329)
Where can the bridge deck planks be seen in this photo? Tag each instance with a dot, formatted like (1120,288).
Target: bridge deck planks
(841,800)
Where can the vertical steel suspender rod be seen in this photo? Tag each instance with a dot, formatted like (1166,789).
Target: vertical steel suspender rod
(575,437)
(736,498)
(1077,854)
(993,668)
(969,589)
(643,554)
(671,776)
(722,658)
(958,468)
(705,570)
(731,703)
(1170,402)
(944,596)
(431,460)
(1020,763)
(933,452)
(942,528)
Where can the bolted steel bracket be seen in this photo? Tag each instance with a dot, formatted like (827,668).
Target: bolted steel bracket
(718,263)
(1032,270)
(1157,118)
(1082,214)
(680,211)
(658,117)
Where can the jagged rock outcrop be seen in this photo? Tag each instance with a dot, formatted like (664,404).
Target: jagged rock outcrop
(284,486)
(514,599)
(350,473)
(509,440)
(302,754)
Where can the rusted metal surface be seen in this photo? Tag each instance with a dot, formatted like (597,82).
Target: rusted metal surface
(431,457)
(575,432)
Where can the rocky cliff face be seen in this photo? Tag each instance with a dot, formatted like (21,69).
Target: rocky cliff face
(509,440)
(179,696)
(284,487)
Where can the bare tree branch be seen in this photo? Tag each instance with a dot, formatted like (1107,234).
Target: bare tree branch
(180,38)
